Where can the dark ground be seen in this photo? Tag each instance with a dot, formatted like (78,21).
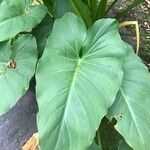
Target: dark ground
(18,125)
(142,15)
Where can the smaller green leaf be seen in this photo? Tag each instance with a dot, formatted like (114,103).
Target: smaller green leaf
(17,66)
(93,8)
(19,15)
(130,7)
(82,10)
(61,7)
(94,146)
(78,7)
(101,9)
(86,2)
(42,31)
(111,6)
(49,4)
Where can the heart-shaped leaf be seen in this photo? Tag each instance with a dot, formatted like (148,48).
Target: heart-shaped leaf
(17,16)
(77,78)
(132,104)
(17,66)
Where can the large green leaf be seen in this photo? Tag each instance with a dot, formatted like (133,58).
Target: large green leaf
(78,7)
(17,66)
(17,16)
(131,107)
(77,78)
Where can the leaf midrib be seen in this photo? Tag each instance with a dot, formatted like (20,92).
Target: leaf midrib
(69,95)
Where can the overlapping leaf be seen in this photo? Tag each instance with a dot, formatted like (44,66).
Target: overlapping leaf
(78,7)
(17,66)
(132,105)
(93,5)
(49,4)
(77,79)
(61,7)
(82,10)
(19,15)
(42,31)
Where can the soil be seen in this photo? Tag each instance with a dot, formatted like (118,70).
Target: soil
(142,15)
